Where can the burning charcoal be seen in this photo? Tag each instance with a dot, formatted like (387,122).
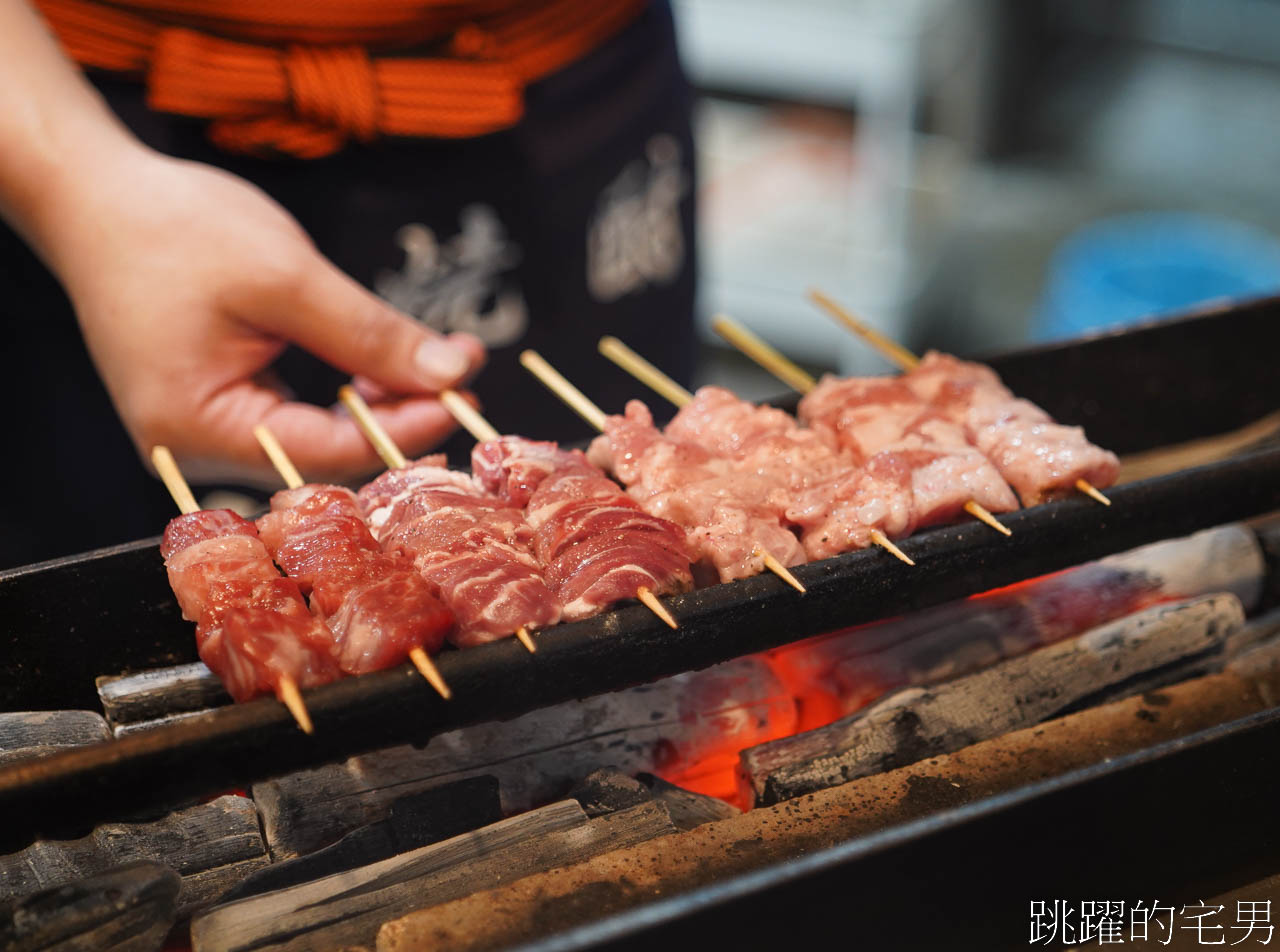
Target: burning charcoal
(838,674)
(212,846)
(698,720)
(607,791)
(128,909)
(687,809)
(520,913)
(36,733)
(1153,647)
(348,908)
(416,820)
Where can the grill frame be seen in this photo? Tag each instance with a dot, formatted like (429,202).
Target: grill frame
(963,877)
(59,611)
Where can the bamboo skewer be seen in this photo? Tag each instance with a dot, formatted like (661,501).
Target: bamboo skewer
(167,467)
(391,455)
(554,381)
(382,443)
(655,379)
(889,348)
(763,354)
(980,512)
(902,358)
(291,698)
(1092,491)
(769,358)
(468,416)
(279,458)
(293,479)
(645,372)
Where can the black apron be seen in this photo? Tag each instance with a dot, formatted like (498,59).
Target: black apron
(576,223)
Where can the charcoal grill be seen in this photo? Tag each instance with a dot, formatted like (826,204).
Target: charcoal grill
(72,619)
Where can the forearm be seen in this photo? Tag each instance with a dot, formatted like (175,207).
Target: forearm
(58,139)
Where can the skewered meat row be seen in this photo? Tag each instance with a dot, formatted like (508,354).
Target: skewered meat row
(253,627)
(753,466)
(731,517)
(892,455)
(598,546)
(919,472)
(1039,458)
(835,504)
(883,423)
(475,549)
(378,608)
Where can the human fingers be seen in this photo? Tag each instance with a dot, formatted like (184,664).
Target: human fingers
(324,444)
(329,443)
(327,313)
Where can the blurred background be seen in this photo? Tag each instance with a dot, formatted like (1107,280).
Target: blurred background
(975,174)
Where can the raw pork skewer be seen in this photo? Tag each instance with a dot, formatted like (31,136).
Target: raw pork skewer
(829,497)
(595,540)
(729,522)
(974,397)
(656,380)
(379,609)
(468,544)
(918,432)
(253,628)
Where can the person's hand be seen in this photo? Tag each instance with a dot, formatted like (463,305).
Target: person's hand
(188,282)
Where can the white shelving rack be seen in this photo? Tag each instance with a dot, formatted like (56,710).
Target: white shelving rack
(861,240)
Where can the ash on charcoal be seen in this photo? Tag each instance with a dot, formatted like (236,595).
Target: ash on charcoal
(1129,656)
(132,699)
(212,846)
(839,674)
(608,790)
(349,907)
(415,820)
(25,734)
(687,809)
(127,909)
(546,903)
(675,722)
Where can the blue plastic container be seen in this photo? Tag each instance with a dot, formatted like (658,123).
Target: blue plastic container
(1125,269)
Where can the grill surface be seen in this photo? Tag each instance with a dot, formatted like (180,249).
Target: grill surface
(75,618)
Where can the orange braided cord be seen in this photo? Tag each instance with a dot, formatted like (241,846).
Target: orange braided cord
(309,100)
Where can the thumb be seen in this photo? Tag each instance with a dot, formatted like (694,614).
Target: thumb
(333,317)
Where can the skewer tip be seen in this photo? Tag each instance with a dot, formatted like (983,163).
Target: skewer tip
(426,667)
(644,371)
(889,348)
(556,382)
(784,573)
(291,697)
(169,473)
(468,416)
(371,428)
(651,602)
(526,639)
(279,458)
(1092,491)
(763,353)
(982,514)
(882,540)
